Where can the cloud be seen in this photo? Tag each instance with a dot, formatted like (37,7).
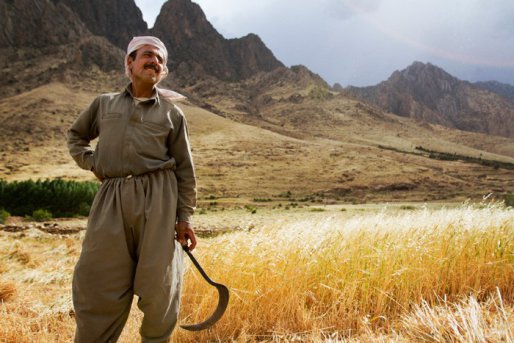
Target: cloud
(345,9)
(361,42)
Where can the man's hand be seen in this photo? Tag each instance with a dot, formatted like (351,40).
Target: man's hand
(184,232)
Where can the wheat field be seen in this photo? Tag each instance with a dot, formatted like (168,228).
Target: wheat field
(385,275)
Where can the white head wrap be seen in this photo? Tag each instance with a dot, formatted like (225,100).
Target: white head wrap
(138,42)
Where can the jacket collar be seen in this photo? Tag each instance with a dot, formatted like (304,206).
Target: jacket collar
(166,94)
(153,99)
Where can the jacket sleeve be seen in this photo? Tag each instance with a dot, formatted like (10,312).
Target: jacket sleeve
(180,149)
(80,135)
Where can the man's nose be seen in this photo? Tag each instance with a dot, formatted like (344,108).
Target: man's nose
(154,59)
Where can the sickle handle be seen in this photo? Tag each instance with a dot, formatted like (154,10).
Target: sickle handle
(197,265)
(223,294)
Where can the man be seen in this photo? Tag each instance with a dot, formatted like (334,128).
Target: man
(146,199)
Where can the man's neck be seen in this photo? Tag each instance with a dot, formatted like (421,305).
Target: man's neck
(140,90)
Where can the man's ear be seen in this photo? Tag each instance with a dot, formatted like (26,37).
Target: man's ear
(129,63)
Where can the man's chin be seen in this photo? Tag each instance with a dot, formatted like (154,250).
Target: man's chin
(151,79)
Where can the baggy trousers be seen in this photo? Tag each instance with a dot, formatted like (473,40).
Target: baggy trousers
(128,249)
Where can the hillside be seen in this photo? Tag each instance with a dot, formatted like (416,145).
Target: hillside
(354,154)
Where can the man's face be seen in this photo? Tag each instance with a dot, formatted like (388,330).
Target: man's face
(148,65)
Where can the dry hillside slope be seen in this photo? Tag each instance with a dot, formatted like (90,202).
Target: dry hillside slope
(348,151)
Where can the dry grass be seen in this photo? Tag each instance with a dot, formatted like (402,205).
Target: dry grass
(7,291)
(466,321)
(388,276)
(326,276)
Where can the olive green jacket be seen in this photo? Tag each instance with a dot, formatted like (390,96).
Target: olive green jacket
(135,139)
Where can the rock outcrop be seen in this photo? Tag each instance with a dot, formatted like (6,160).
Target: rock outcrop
(503,89)
(47,37)
(116,20)
(428,93)
(38,24)
(196,47)
(42,41)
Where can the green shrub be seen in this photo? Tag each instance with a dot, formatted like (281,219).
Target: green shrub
(60,197)
(41,215)
(83,209)
(262,199)
(287,194)
(3,215)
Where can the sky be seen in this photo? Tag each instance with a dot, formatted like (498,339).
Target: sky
(362,42)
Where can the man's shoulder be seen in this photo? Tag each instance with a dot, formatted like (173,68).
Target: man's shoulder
(173,110)
(168,100)
(170,95)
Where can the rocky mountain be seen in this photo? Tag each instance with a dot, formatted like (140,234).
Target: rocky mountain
(38,24)
(43,40)
(503,89)
(428,93)
(196,48)
(63,37)
(116,20)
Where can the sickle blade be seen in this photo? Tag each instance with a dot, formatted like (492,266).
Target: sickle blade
(222,301)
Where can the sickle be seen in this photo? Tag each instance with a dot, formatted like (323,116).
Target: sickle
(222,302)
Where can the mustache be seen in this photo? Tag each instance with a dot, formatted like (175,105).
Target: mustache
(152,66)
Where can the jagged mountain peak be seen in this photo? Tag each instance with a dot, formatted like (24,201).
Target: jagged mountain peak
(197,50)
(116,20)
(427,92)
(424,76)
(196,47)
(418,66)
(181,20)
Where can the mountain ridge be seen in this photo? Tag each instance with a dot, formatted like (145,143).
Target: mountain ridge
(192,40)
(116,20)
(78,35)
(500,88)
(428,93)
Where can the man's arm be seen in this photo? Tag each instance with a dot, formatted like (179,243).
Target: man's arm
(180,149)
(80,135)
